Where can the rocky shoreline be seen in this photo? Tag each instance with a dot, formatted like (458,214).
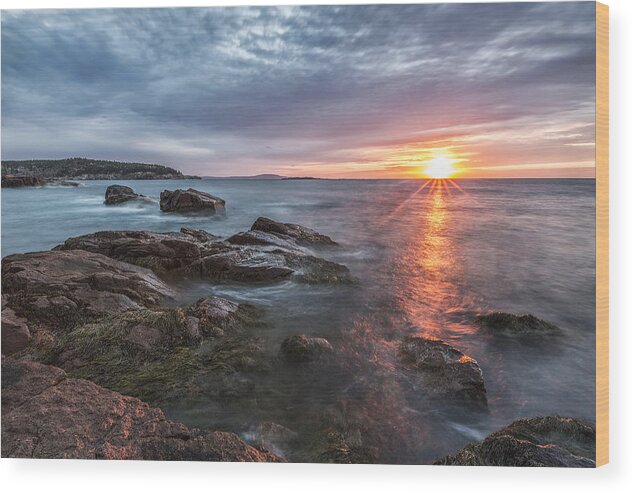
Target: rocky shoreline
(92,326)
(18,181)
(47,414)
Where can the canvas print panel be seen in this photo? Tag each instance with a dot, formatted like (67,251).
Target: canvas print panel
(349,234)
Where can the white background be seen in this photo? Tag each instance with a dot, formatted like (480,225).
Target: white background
(94,476)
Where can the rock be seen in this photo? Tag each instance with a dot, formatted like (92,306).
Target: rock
(163,253)
(69,183)
(196,254)
(216,316)
(343,435)
(315,270)
(14,181)
(241,265)
(262,239)
(117,194)
(301,234)
(190,200)
(47,415)
(254,265)
(551,441)
(59,289)
(516,325)
(15,332)
(200,235)
(145,353)
(345,448)
(159,354)
(302,349)
(443,370)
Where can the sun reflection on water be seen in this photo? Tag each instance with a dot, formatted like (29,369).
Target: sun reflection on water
(429,261)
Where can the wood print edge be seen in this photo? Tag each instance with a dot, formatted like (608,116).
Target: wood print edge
(602,234)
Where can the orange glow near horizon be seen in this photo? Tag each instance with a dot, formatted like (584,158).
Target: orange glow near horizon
(441,164)
(442,159)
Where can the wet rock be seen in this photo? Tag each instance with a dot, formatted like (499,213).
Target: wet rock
(15,332)
(315,270)
(196,254)
(341,437)
(551,441)
(118,194)
(145,353)
(516,325)
(346,448)
(254,265)
(241,265)
(15,181)
(216,316)
(46,414)
(190,200)
(262,239)
(200,235)
(225,263)
(159,355)
(59,289)
(442,370)
(301,234)
(163,253)
(265,231)
(302,349)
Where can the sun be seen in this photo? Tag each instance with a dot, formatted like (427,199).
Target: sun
(441,164)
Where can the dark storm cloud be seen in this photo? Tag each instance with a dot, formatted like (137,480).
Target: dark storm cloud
(232,90)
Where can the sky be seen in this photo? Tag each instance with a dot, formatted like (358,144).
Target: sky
(392,91)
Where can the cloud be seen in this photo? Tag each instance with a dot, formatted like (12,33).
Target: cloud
(245,90)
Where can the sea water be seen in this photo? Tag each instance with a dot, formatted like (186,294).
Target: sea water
(429,257)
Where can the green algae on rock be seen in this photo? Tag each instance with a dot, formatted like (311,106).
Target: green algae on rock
(157,354)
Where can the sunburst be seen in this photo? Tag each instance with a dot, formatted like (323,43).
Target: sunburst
(440,164)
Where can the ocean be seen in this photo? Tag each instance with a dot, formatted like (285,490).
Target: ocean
(429,258)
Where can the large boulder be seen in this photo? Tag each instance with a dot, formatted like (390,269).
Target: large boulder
(196,254)
(191,200)
(58,289)
(47,415)
(164,253)
(15,181)
(265,231)
(302,349)
(550,441)
(15,332)
(255,265)
(117,194)
(516,325)
(310,269)
(263,240)
(440,369)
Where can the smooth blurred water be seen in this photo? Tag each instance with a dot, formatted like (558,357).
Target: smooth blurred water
(428,258)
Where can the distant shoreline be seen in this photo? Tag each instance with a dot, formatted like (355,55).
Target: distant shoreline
(248,178)
(80,168)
